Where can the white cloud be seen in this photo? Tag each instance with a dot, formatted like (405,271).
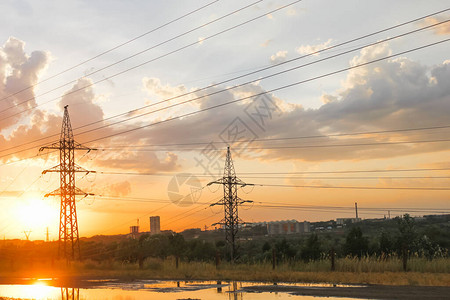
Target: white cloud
(396,93)
(387,95)
(81,100)
(278,57)
(308,49)
(443,29)
(18,71)
(154,87)
(266,43)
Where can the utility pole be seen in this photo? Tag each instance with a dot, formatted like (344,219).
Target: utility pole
(68,243)
(356,211)
(27,234)
(46,237)
(230,202)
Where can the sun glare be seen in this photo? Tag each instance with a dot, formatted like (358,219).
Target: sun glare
(38,290)
(35,214)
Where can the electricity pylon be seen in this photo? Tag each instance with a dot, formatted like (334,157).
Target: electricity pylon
(68,245)
(70,293)
(230,202)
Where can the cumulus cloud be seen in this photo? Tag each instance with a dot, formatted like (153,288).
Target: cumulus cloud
(18,71)
(396,93)
(278,57)
(138,161)
(154,87)
(81,101)
(308,49)
(442,29)
(122,188)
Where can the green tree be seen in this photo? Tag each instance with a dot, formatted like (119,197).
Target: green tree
(266,247)
(312,248)
(177,245)
(386,243)
(408,237)
(284,250)
(355,243)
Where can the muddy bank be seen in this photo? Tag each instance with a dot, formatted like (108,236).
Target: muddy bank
(365,292)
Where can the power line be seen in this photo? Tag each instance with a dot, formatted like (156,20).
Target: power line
(131,56)
(148,61)
(269,91)
(178,96)
(291,138)
(115,147)
(256,95)
(289,147)
(354,171)
(282,177)
(109,50)
(341,211)
(242,84)
(284,205)
(291,60)
(348,207)
(354,187)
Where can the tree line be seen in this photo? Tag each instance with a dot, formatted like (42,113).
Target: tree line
(402,239)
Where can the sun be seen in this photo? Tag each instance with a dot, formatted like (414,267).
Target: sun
(36,213)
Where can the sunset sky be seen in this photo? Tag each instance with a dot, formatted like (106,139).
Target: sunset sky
(299,122)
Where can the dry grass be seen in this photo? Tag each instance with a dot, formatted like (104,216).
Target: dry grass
(348,270)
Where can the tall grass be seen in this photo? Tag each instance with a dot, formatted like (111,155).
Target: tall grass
(374,264)
(370,270)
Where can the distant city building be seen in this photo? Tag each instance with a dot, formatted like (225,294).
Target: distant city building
(155,227)
(134,231)
(287,227)
(343,221)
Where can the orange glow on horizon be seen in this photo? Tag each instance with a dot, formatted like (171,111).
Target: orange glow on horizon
(35,214)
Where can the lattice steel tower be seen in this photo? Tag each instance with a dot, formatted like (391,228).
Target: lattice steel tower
(230,202)
(68,246)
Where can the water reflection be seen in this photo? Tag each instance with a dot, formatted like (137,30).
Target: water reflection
(234,291)
(151,289)
(70,293)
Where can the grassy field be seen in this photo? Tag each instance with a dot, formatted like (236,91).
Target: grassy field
(421,272)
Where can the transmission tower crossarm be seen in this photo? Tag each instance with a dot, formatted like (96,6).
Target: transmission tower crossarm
(220,202)
(76,146)
(55,145)
(77,192)
(58,169)
(215,182)
(234,180)
(245,201)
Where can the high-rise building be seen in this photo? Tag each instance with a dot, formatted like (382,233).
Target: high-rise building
(287,227)
(155,225)
(134,231)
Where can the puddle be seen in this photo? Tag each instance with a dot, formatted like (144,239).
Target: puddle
(155,289)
